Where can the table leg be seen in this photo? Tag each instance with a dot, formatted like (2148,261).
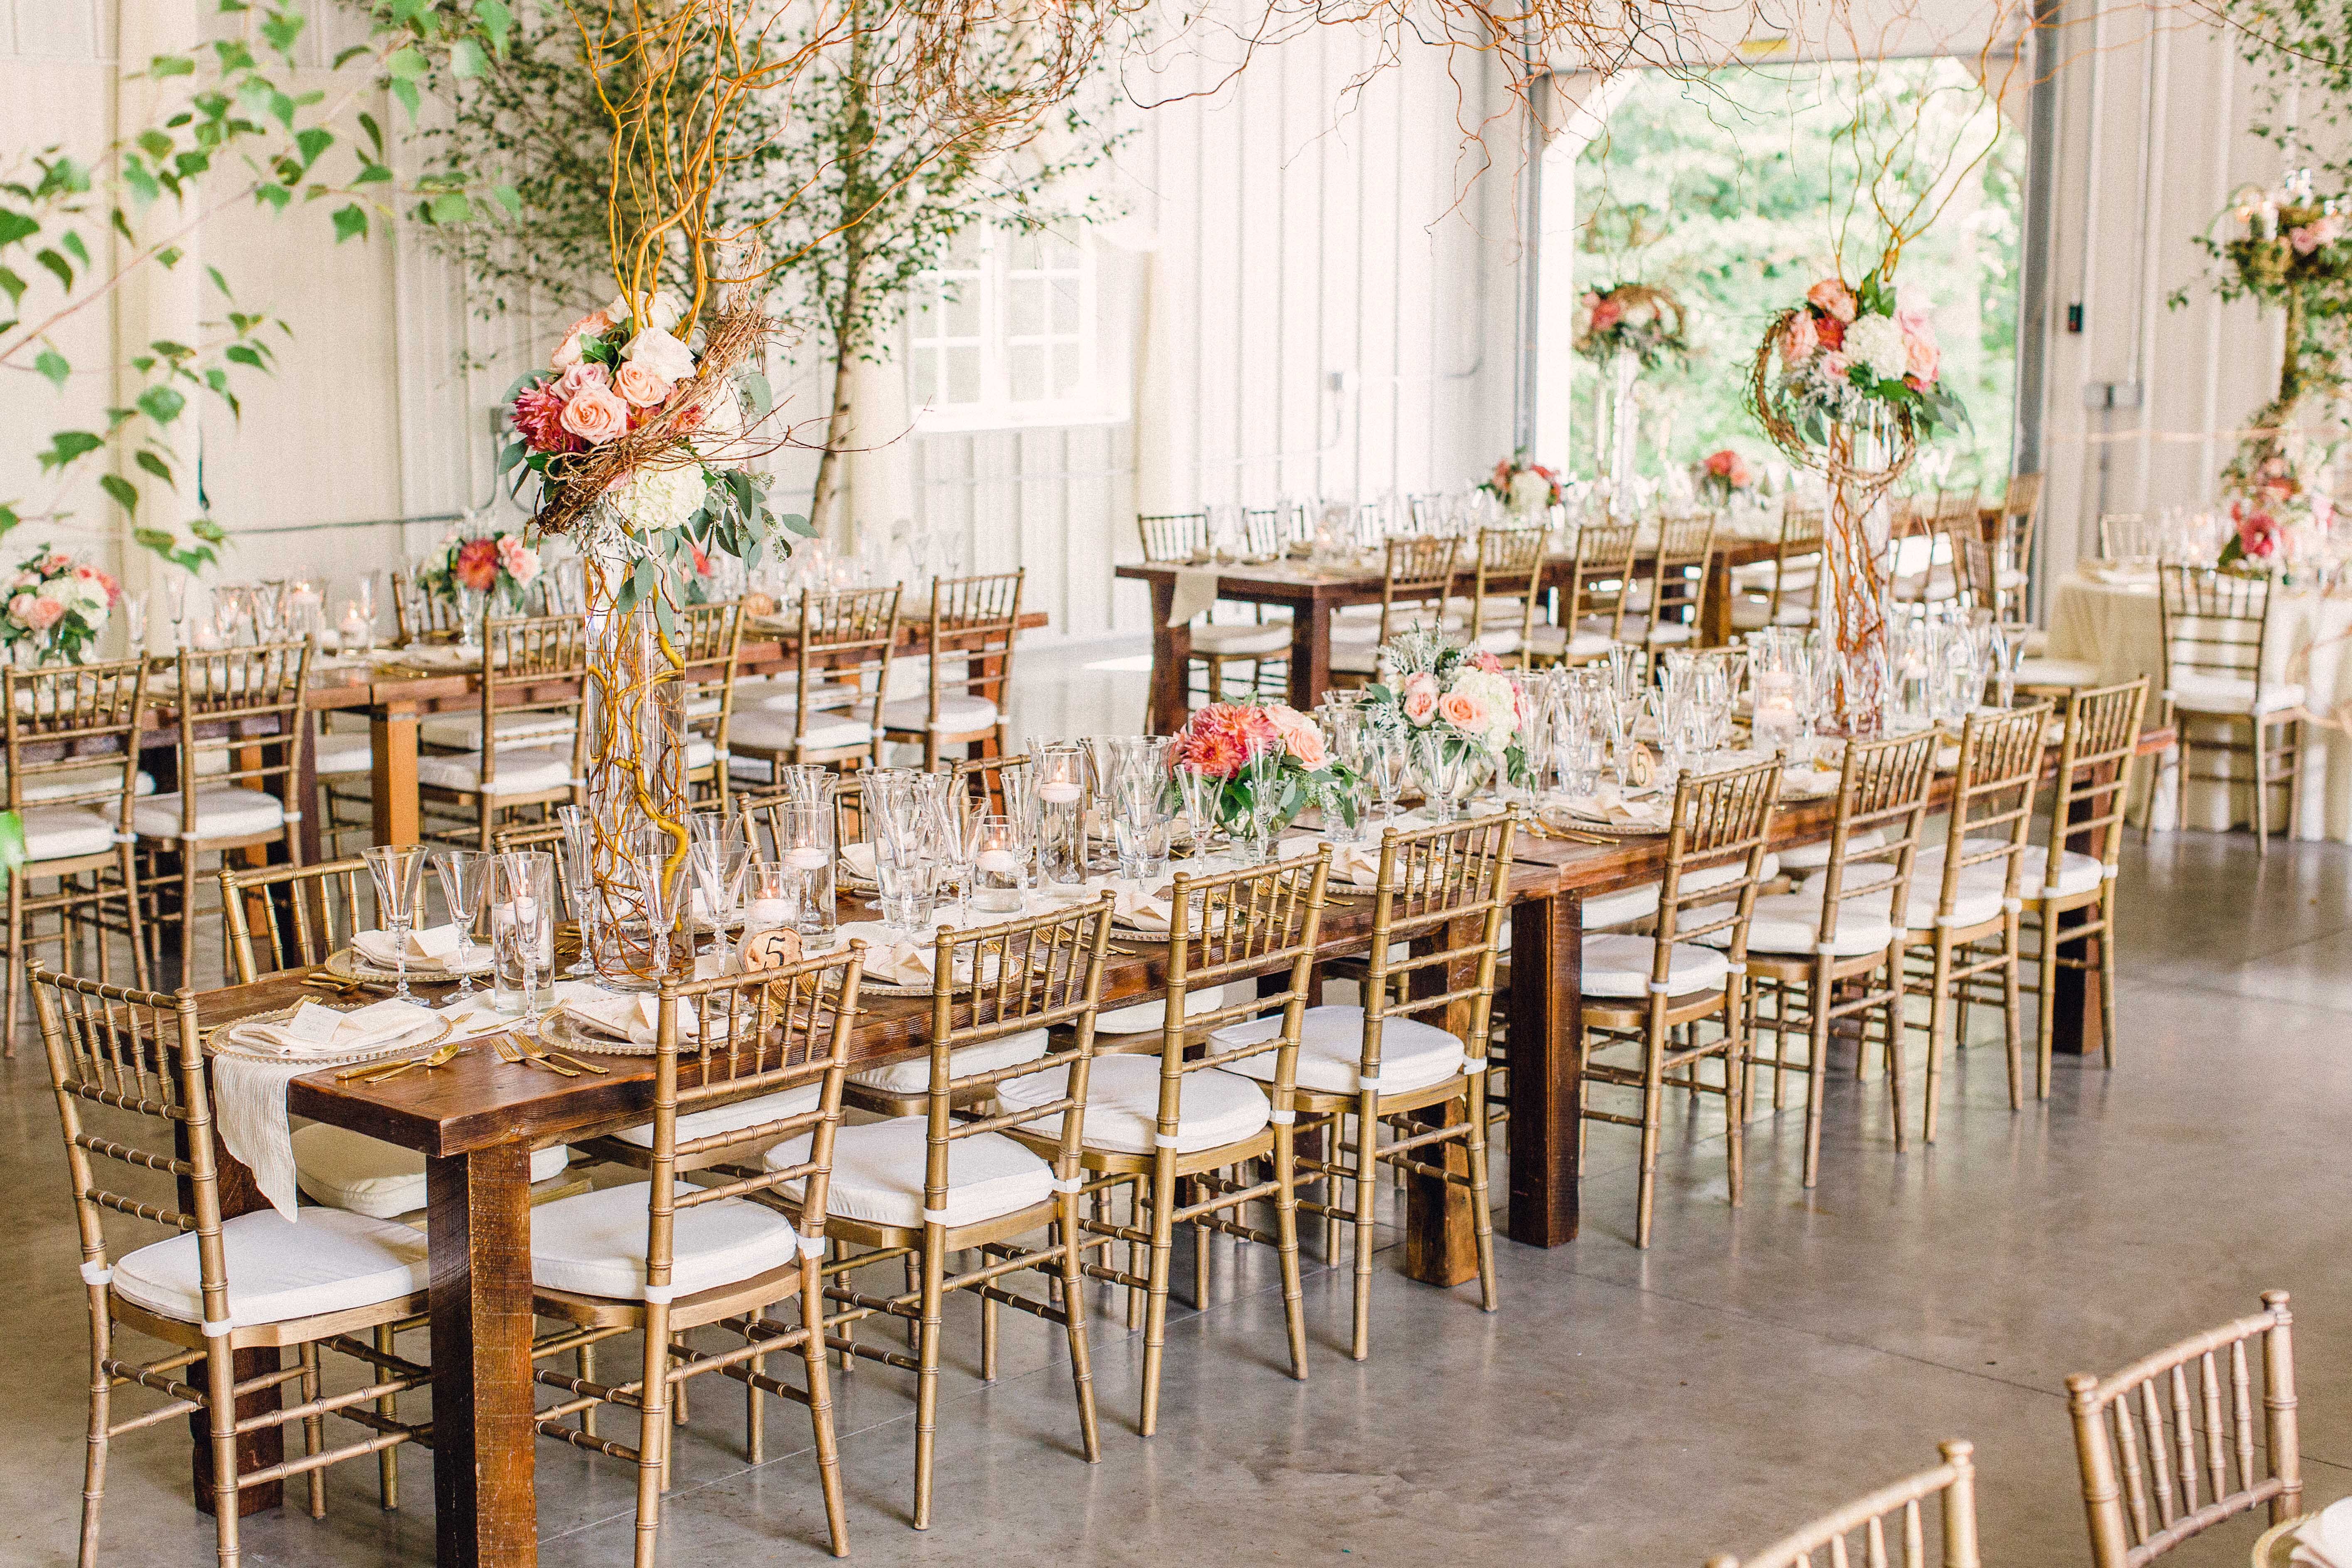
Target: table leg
(486,1512)
(1172,659)
(396,814)
(266,1446)
(1310,653)
(2074,1019)
(1715,602)
(1545,1052)
(1440,1245)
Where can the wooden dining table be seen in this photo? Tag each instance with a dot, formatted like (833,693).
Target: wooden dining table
(477,1121)
(1311,591)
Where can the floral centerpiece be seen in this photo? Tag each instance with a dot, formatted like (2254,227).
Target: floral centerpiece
(1522,487)
(57,606)
(1634,319)
(1457,710)
(1266,763)
(499,566)
(1723,475)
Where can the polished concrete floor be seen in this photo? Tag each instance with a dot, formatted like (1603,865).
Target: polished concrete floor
(1753,1369)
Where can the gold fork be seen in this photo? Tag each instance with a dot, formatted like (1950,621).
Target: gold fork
(510,1049)
(377,1072)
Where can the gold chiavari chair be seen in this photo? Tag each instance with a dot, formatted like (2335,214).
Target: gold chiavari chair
(2138,1439)
(73,780)
(534,669)
(213,1287)
(721,1257)
(931,1186)
(1962,922)
(1953,1483)
(842,655)
(2073,903)
(1509,572)
(1172,537)
(243,730)
(1419,575)
(974,622)
(709,642)
(2012,540)
(1592,602)
(1154,1122)
(1381,1063)
(419,615)
(1834,950)
(2124,536)
(985,780)
(1666,610)
(2217,687)
(1947,526)
(1676,996)
(1260,644)
(1784,592)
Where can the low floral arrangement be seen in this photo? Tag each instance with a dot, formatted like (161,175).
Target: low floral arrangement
(1632,317)
(2274,513)
(1459,696)
(497,566)
(1219,742)
(2288,238)
(1523,487)
(1860,357)
(57,606)
(1723,475)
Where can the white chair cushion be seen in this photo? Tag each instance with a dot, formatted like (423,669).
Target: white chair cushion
(1621,908)
(960,713)
(1750,614)
(1554,642)
(222,811)
(348,1170)
(93,780)
(1217,1108)
(1618,965)
(1789,923)
(2078,873)
(462,732)
(784,692)
(61,832)
(1814,857)
(734,1116)
(913,1076)
(1242,640)
(519,770)
(336,752)
(1666,634)
(1355,633)
(877,1173)
(1149,1017)
(1357,659)
(2227,694)
(326,1260)
(1413,1055)
(770,729)
(594,1244)
(2057,672)
(1502,644)
(700,751)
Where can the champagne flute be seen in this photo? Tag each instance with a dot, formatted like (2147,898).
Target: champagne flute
(465,880)
(398,870)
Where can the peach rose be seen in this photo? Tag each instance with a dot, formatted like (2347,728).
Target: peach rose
(1419,697)
(40,614)
(1920,358)
(1833,299)
(641,386)
(1461,710)
(573,380)
(1299,735)
(595,415)
(593,324)
(1800,340)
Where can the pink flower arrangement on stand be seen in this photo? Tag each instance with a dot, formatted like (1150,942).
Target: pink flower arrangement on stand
(57,605)
(1723,475)
(497,566)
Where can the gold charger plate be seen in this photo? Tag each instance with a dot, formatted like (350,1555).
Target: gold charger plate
(219,1043)
(345,963)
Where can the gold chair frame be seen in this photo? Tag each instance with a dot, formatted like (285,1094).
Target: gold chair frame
(531,664)
(304,924)
(850,636)
(1415,580)
(709,643)
(1954,1481)
(2205,616)
(974,623)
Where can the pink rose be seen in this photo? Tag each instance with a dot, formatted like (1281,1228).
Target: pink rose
(520,560)
(1299,735)
(1833,299)
(1920,358)
(593,324)
(38,613)
(1419,697)
(641,387)
(1607,314)
(1461,710)
(1833,365)
(580,377)
(1797,344)
(595,415)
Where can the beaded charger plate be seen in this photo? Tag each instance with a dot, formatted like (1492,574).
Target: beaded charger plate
(345,963)
(222,1041)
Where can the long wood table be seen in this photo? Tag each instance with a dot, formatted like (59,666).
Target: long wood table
(1312,593)
(477,1121)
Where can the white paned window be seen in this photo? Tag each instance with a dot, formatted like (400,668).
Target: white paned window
(1004,333)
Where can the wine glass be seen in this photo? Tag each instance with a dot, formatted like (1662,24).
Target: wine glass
(1387,758)
(522,932)
(232,609)
(465,880)
(578,866)
(719,853)
(398,870)
(1262,773)
(660,891)
(176,584)
(1139,820)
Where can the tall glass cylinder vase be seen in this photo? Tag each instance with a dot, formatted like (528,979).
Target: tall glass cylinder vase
(1856,550)
(635,712)
(1623,433)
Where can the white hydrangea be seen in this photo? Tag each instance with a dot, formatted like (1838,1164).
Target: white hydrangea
(1530,491)
(1877,342)
(659,499)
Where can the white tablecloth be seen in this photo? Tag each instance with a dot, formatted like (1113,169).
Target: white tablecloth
(2118,628)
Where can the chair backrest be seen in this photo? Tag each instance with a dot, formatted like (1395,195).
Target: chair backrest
(1448,885)
(317,915)
(974,623)
(1883,789)
(1237,925)
(846,636)
(2094,783)
(547,836)
(138,1054)
(2214,622)
(1720,821)
(1954,1481)
(1991,818)
(243,705)
(1019,976)
(2020,505)
(710,639)
(1510,566)
(987,780)
(1262,529)
(1420,573)
(417,612)
(1172,536)
(2123,536)
(1678,572)
(2137,1438)
(533,664)
(1801,543)
(1601,571)
(64,719)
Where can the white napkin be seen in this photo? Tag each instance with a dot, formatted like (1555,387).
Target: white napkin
(859,858)
(249,1097)
(890,961)
(624,1015)
(1609,804)
(1809,780)
(2325,1540)
(434,947)
(1196,591)
(1144,907)
(1360,864)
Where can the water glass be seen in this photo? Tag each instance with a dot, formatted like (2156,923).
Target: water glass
(523,933)
(1261,775)
(1061,770)
(771,914)
(805,844)
(718,855)
(1440,770)
(1139,820)
(1000,865)
(578,867)
(465,878)
(908,878)
(398,870)
(1196,795)
(1388,759)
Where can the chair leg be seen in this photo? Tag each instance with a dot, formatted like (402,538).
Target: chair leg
(387,1463)
(220,1407)
(16,942)
(1285,1229)
(927,1375)
(1163,1263)
(820,1404)
(585,1358)
(1365,1180)
(2010,946)
(1936,1019)
(2047,1000)
(755,1421)
(1894,1008)
(1482,1218)
(2107,975)
(93,1472)
(1817,1072)
(1735,1101)
(1074,1318)
(1654,1052)
(314,1429)
(653,1433)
